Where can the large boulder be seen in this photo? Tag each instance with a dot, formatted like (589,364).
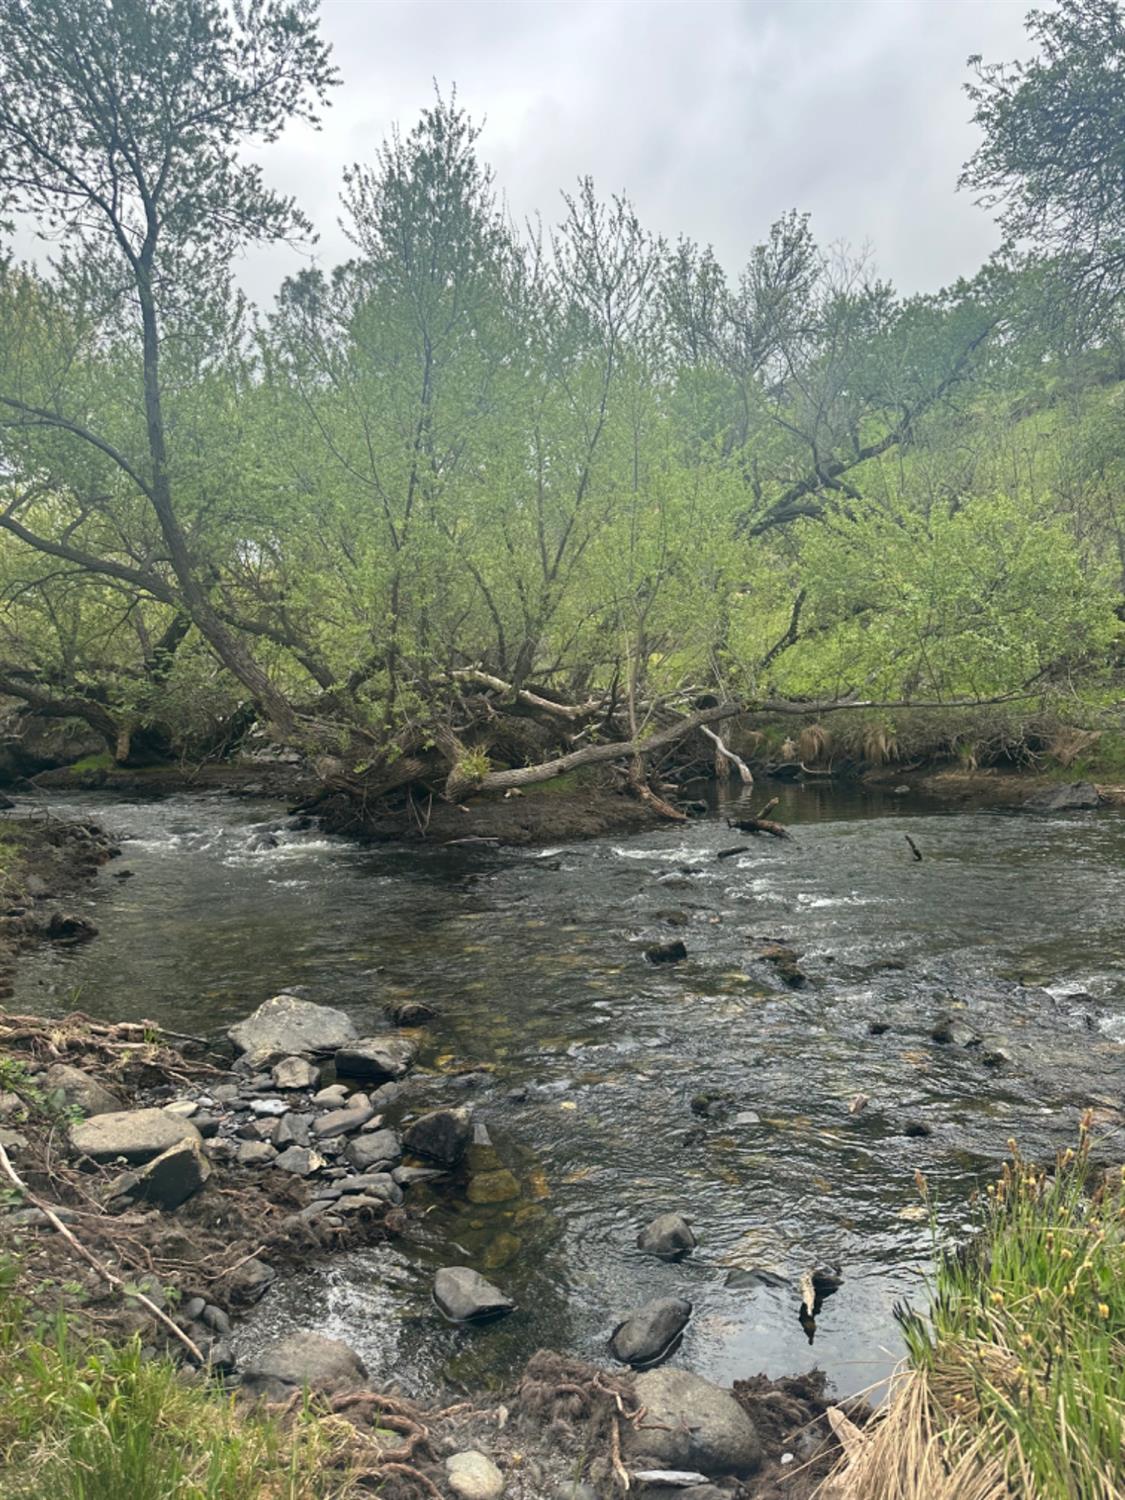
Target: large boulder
(443,1135)
(80,1090)
(650,1332)
(168,1180)
(136,1134)
(306,1359)
(463,1295)
(669,1237)
(378,1058)
(691,1424)
(285,1026)
(1077,797)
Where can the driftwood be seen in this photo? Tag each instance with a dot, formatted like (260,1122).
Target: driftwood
(914,849)
(725,756)
(759,823)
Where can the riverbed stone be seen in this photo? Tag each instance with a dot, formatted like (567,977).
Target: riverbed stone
(285,1026)
(80,1090)
(269,1108)
(378,1148)
(952,1032)
(648,1333)
(465,1296)
(292,1130)
(335,1096)
(473,1476)
(295,1073)
(692,1424)
(136,1134)
(666,953)
(412,1013)
(1079,796)
(442,1135)
(408,1176)
(493,1187)
(376,1057)
(341,1121)
(668,1236)
(299,1160)
(256,1154)
(168,1180)
(379,1185)
(307,1359)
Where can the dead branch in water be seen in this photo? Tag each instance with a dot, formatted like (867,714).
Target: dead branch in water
(759,823)
(724,754)
(914,849)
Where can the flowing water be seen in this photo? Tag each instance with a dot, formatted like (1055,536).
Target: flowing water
(589,1058)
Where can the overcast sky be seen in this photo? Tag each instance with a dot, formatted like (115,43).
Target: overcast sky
(715,116)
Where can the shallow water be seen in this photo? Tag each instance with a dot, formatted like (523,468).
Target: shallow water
(535,960)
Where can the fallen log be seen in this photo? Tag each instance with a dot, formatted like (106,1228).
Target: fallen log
(759,823)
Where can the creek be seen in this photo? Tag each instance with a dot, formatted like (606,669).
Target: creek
(588,1058)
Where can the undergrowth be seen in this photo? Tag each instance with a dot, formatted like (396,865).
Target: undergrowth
(86,1420)
(1021,1358)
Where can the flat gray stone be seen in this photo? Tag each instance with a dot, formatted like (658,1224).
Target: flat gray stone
(168,1180)
(669,1236)
(335,1096)
(308,1359)
(285,1026)
(341,1121)
(463,1295)
(80,1090)
(692,1424)
(136,1134)
(300,1161)
(375,1149)
(379,1185)
(650,1332)
(1079,796)
(255,1154)
(379,1058)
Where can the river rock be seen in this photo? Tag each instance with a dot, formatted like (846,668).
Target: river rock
(307,1359)
(376,1057)
(335,1096)
(413,1013)
(285,1026)
(951,1032)
(1079,796)
(136,1134)
(269,1108)
(443,1135)
(67,929)
(379,1185)
(473,1476)
(292,1130)
(300,1161)
(408,1176)
(464,1296)
(666,953)
(295,1073)
(80,1090)
(650,1332)
(255,1154)
(669,1236)
(341,1121)
(168,1180)
(692,1424)
(250,1281)
(492,1187)
(367,1151)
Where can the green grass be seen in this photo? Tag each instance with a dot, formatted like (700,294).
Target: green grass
(102,761)
(86,1420)
(1023,1351)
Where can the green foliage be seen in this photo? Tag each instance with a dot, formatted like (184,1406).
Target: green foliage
(85,1420)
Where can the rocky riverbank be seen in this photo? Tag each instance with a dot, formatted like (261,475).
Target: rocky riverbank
(194,1172)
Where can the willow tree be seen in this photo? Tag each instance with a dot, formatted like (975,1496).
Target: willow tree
(123,128)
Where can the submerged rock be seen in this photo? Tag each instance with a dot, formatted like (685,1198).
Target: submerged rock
(285,1026)
(307,1359)
(412,1013)
(1079,796)
(168,1180)
(650,1332)
(692,1424)
(443,1135)
(68,929)
(465,1296)
(136,1134)
(666,953)
(473,1476)
(80,1090)
(492,1187)
(379,1058)
(668,1236)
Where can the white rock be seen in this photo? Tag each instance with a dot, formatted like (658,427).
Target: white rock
(473,1476)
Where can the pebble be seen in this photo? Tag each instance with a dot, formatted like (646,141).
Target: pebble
(473,1476)
(269,1107)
